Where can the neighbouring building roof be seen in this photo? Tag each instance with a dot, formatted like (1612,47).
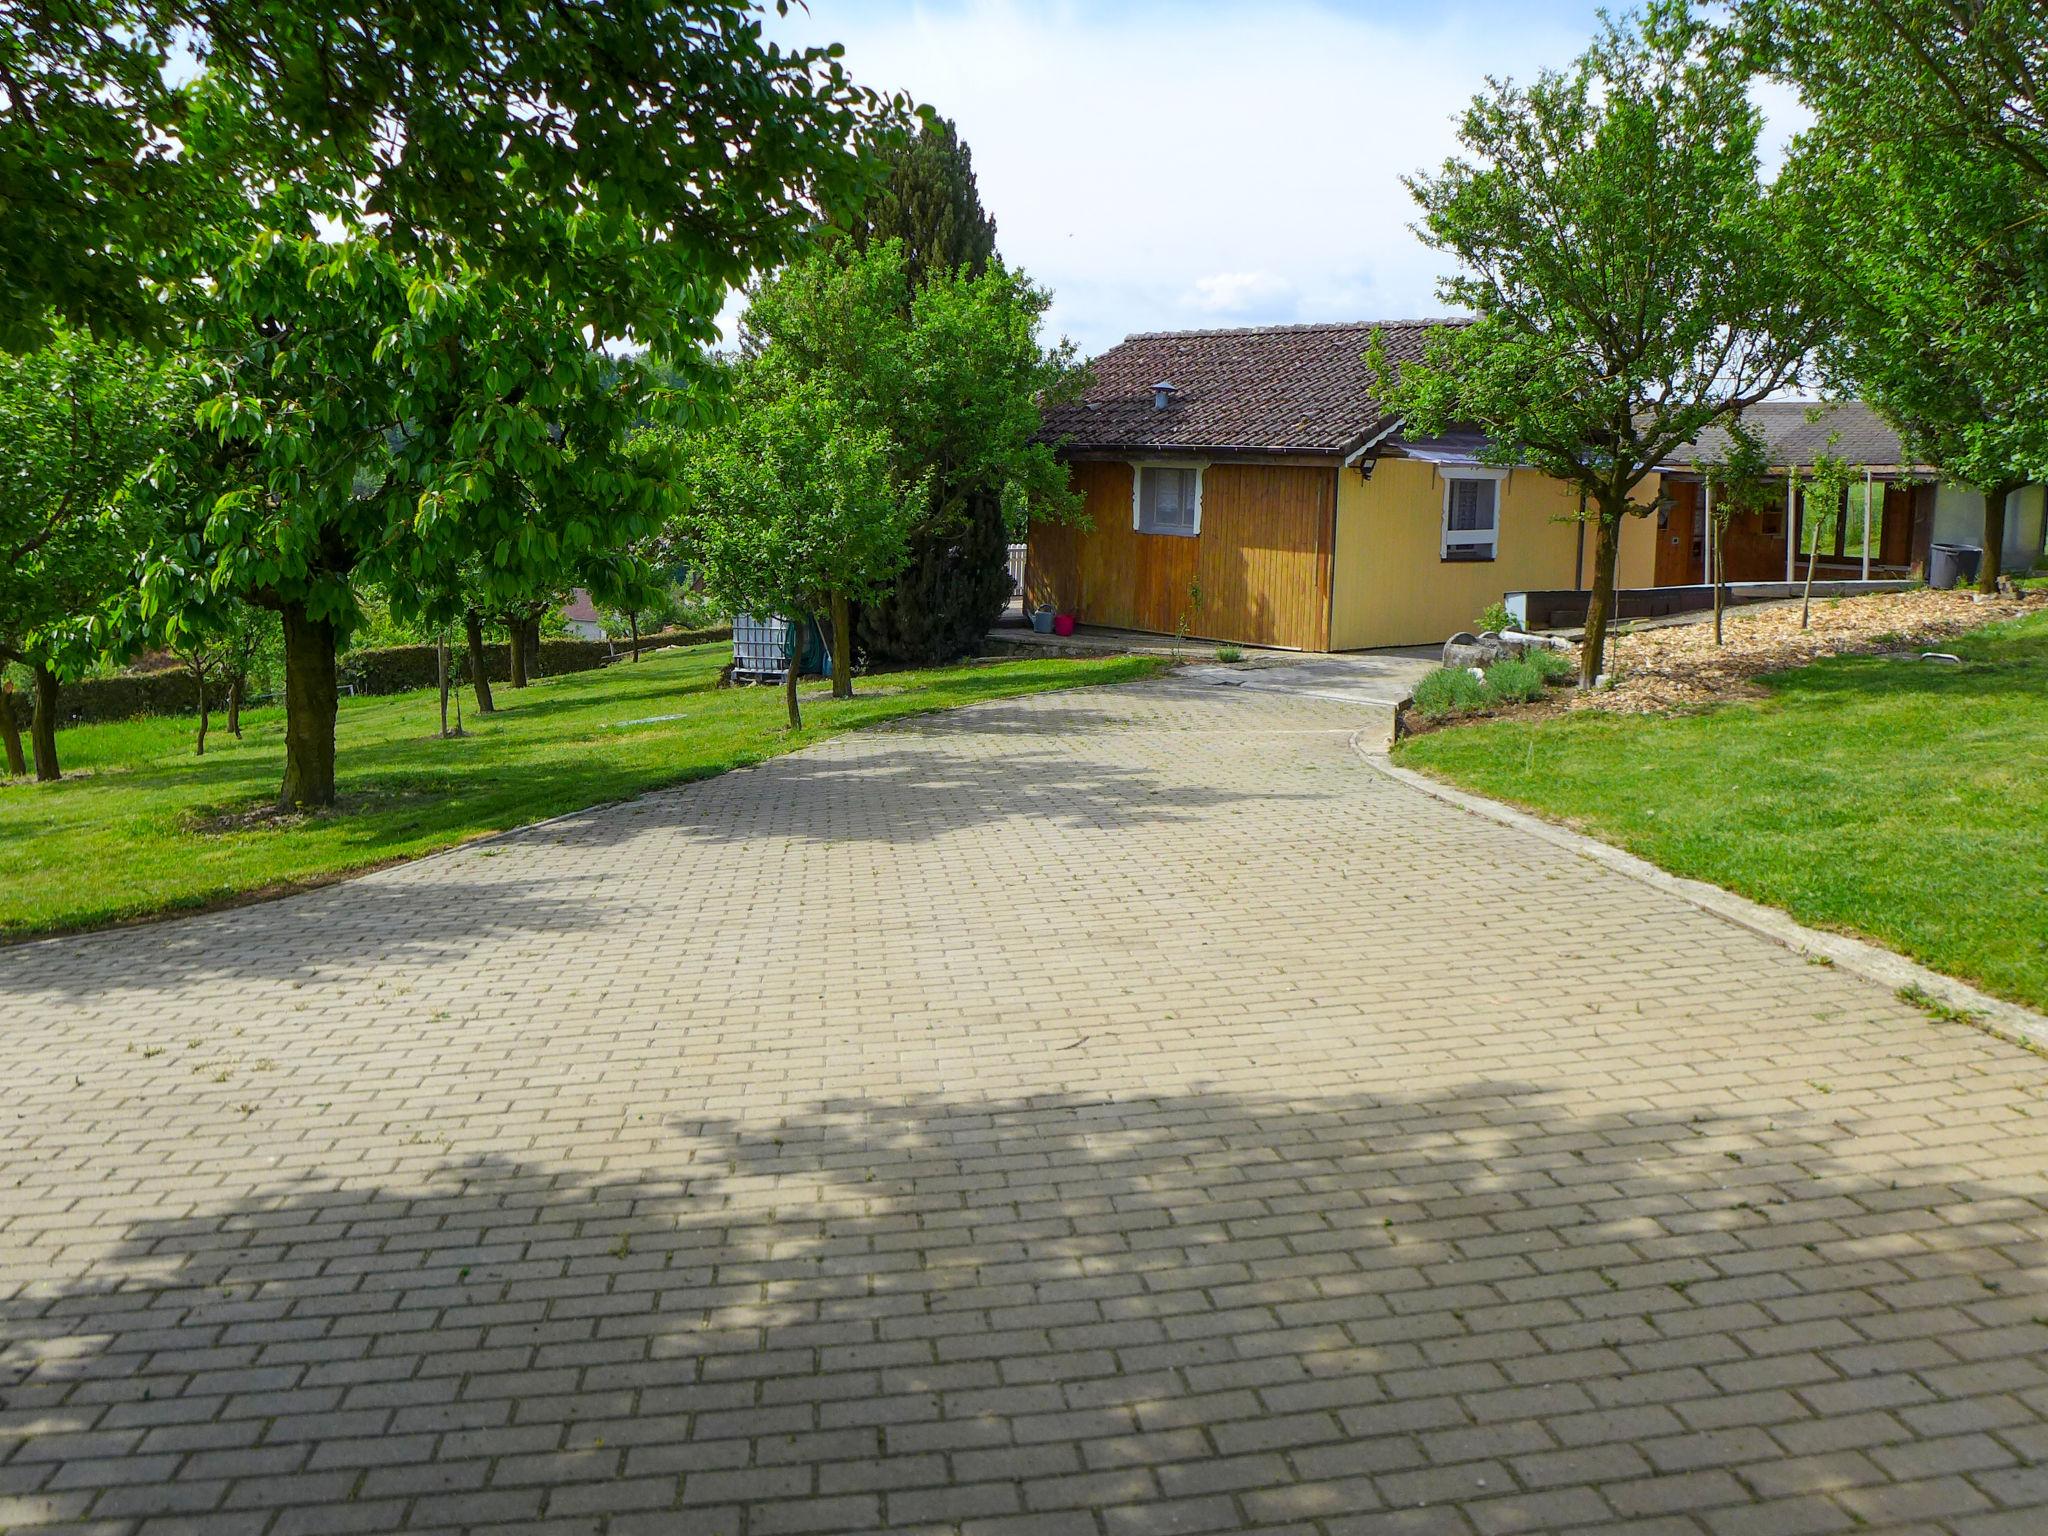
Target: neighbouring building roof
(1305,389)
(1796,432)
(1264,389)
(580,609)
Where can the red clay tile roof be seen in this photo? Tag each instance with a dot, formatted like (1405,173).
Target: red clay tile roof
(1266,389)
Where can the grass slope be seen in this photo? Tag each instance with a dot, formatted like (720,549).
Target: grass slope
(139,826)
(1902,800)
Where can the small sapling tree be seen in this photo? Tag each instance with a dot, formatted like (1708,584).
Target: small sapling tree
(791,507)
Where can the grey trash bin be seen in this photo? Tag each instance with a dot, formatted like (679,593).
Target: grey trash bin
(1948,564)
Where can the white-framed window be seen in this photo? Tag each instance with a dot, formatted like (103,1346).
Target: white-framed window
(1472,513)
(1167,498)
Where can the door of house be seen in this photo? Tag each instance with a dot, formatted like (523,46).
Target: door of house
(1681,546)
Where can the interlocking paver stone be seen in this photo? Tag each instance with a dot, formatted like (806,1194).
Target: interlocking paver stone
(1107,1111)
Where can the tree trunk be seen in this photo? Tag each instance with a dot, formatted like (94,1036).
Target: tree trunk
(473,631)
(42,725)
(842,646)
(532,648)
(199,682)
(237,686)
(515,642)
(1994,537)
(310,697)
(441,671)
(634,620)
(790,664)
(1600,605)
(10,731)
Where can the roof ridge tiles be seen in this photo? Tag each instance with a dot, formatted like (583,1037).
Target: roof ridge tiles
(1300,326)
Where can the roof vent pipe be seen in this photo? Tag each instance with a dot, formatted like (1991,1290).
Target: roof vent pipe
(1162,395)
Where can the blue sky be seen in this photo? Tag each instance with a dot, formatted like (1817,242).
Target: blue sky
(1164,166)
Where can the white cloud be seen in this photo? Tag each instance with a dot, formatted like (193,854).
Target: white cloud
(1161,166)
(1239,293)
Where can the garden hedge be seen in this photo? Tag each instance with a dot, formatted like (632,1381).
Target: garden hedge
(401,668)
(386,669)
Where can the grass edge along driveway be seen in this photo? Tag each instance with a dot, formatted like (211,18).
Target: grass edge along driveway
(1898,800)
(140,828)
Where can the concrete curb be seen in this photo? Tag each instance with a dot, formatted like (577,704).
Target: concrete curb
(1859,957)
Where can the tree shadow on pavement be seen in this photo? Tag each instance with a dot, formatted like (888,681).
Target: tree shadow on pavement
(901,783)
(1489,1308)
(332,932)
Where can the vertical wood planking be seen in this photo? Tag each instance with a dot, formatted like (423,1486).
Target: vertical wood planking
(1262,559)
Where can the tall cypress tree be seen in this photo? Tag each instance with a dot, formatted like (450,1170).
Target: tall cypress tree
(956,581)
(931,204)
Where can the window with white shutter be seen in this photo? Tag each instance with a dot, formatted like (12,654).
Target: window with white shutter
(1471,518)
(1168,499)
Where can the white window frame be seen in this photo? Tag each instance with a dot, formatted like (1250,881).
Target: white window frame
(1138,468)
(1451,474)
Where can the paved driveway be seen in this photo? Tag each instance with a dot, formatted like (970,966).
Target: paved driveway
(1109,1112)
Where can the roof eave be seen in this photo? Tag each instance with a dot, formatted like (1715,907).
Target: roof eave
(1183,450)
(1385,428)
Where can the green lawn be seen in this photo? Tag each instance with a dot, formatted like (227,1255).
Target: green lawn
(140,826)
(1903,800)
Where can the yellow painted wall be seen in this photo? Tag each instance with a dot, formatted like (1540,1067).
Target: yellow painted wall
(1393,586)
(1635,563)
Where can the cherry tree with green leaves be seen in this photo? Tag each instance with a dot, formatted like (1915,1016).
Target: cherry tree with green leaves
(643,154)
(1621,253)
(362,422)
(79,419)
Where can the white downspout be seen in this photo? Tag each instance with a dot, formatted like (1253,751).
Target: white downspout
(1866,522)
(1709,571)
(1791,519)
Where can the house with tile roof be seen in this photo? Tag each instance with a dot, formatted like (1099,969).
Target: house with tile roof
(1887,529)
(1244,485)
(581,618)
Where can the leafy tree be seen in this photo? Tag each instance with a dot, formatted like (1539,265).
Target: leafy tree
(366,422)
(1621,255)
(1738,480)
(953,376)
(223,654)
(646,153)
(79,418)
(795,507)
(1966,74)
(1921,212)
(956,581)
(1826,498)
(641,596)
(929,205)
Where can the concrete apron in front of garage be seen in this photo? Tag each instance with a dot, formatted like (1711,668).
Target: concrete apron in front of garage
(1376,681)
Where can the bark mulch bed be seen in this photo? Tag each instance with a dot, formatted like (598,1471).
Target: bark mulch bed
(1678,666)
